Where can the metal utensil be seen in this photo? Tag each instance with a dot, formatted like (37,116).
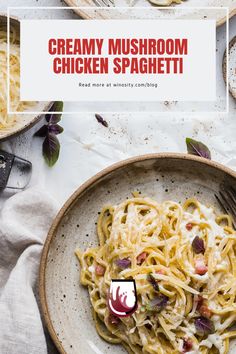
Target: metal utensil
(227,200)
(15,172)
(102,3)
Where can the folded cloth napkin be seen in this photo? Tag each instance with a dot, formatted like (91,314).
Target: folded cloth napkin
(25,220)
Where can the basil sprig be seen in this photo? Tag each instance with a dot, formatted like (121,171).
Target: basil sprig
(49,131)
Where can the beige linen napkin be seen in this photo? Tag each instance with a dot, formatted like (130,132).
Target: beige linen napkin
(25,220)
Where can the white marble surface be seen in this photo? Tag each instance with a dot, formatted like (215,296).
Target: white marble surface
(87,147)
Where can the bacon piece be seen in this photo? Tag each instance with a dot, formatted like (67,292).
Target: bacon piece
(160,271)
(188,345)
(141,258)
(203,308)
(200,301)
(205,311)
(99,270)
(189,226)
(200,266)
(113,319)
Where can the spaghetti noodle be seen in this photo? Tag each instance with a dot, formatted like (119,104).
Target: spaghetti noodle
(183,261)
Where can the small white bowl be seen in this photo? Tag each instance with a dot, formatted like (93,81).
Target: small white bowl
(23,121)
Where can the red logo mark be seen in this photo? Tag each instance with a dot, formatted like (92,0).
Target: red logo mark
(122,299)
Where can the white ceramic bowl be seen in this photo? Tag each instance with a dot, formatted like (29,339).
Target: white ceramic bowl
(23,121)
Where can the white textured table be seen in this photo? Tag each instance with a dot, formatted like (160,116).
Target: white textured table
(87,147)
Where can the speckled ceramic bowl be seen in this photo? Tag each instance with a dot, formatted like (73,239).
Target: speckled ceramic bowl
(23,121)
(65,303)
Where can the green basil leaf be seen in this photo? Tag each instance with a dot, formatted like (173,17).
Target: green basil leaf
(51,149)
(197,148)
(158,303)
(54,118)
(101,120)
(55,129)
(198,245)
(153,282)
(204,326)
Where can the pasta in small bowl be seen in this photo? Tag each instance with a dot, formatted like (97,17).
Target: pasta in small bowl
(14,123)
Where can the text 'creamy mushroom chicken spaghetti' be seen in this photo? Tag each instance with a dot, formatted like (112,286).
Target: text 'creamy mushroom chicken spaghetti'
(182,259)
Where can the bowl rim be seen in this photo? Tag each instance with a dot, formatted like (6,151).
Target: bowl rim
(36,118)
(79,11)
(232,43)
(71,200)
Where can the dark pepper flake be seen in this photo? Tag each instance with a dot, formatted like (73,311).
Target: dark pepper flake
(101,120)
(148,326)
(153,282)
